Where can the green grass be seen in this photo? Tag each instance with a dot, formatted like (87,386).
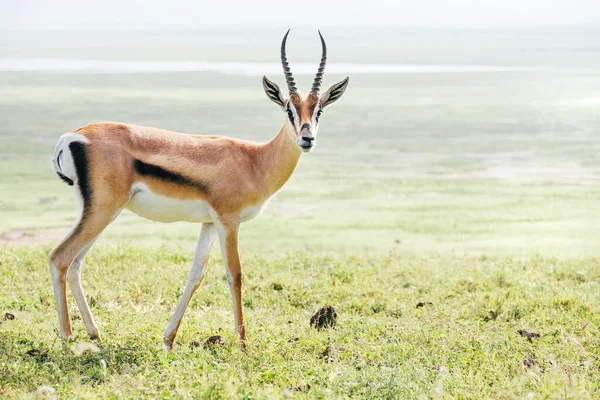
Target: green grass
(464,345)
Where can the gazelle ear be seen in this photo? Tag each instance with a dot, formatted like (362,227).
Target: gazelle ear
(273,92)
(335,92)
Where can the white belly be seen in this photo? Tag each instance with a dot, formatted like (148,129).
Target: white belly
(252,212)
(153,206)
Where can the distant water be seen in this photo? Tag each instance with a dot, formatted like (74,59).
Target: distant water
(232,68)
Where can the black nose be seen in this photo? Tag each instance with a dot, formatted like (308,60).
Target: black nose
(309,139)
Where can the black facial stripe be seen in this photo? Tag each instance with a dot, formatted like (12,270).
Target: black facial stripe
(157,172)
(80,159)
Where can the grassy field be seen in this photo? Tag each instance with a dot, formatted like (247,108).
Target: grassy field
(407,328)
(440,214)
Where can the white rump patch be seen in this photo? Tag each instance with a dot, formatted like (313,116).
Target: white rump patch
(62,159)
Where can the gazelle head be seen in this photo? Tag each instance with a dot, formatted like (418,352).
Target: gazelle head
(303,113)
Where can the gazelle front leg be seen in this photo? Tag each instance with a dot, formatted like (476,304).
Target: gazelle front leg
(207,238)
(228,238)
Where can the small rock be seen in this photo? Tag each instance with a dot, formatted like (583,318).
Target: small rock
(324,318)
(45,392)
(424,303)
(194,344)
(9,316)
(529,335)
(528,363)
(292,340)
(442,370)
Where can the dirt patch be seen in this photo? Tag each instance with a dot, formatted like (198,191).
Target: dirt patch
(31,235)
(326,317)
(14,235)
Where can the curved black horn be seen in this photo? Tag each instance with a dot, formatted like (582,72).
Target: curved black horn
(319,77)
(286,66)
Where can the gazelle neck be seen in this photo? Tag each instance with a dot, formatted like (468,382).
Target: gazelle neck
(280,157)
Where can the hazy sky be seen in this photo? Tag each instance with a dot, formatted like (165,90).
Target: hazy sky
(171,14)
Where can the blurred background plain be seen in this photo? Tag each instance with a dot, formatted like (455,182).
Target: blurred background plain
(469,127)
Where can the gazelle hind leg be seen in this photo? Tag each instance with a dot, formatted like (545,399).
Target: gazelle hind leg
(89,227)
(207,238)
(74,280)
(60,295)
(101,192)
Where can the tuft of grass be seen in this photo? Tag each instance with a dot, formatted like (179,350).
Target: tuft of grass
(463,341)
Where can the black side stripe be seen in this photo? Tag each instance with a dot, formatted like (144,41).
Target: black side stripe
(157,172)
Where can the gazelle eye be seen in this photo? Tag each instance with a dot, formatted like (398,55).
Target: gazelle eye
(290,115)
(319,114)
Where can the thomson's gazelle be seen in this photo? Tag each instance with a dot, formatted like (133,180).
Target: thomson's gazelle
(169,176)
